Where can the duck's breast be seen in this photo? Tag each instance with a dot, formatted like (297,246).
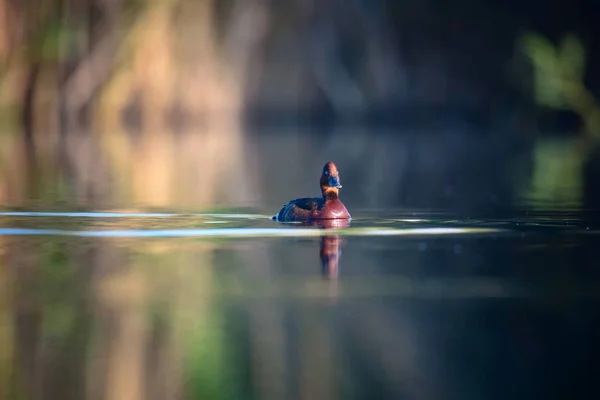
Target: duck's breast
(334,209)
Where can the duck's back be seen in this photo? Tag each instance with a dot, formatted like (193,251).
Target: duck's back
(300,209)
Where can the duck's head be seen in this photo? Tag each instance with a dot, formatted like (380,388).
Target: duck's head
(330,181)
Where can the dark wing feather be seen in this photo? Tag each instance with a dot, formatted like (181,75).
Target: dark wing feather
(307,203)
(299,209)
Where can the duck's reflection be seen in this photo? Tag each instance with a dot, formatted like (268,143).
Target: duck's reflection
(331,245)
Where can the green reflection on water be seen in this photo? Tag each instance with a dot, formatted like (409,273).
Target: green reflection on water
(147,313)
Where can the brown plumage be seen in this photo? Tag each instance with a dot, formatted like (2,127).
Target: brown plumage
(327,207)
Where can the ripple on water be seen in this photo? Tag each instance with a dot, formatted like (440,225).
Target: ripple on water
(116,224)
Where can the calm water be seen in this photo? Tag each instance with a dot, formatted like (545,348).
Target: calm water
(399,304)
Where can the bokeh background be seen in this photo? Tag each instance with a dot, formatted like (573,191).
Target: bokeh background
(116,103)
(214,104)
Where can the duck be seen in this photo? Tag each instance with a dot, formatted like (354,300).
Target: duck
(327,207)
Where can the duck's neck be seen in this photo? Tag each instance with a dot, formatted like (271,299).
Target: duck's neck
(330,193)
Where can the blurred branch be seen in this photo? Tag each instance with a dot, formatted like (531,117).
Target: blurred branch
(94,69)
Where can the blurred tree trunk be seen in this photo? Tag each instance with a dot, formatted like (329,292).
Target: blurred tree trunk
(79,75)
(175,61)
(26,90)
(30,158)
(11,35)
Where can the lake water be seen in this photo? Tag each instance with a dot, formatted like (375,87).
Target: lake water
(400,303)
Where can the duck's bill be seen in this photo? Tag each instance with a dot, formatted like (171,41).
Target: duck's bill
(334,181)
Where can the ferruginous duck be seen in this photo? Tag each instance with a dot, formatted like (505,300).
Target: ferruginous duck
(327,207)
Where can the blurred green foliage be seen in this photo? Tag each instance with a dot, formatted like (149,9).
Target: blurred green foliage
(54,40)
(559,77)
(554,66)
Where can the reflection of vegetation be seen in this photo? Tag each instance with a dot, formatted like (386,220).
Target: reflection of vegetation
(182,303)
(152,325)
(56,289)
(209,364)
(557,173)
(47,318)
(7,372)
(559,73)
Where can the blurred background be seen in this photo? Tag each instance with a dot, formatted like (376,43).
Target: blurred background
(209,105)
(117,103)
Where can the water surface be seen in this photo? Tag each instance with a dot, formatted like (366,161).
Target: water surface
(396,304)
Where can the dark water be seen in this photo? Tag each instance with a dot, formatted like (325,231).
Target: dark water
(399,304)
